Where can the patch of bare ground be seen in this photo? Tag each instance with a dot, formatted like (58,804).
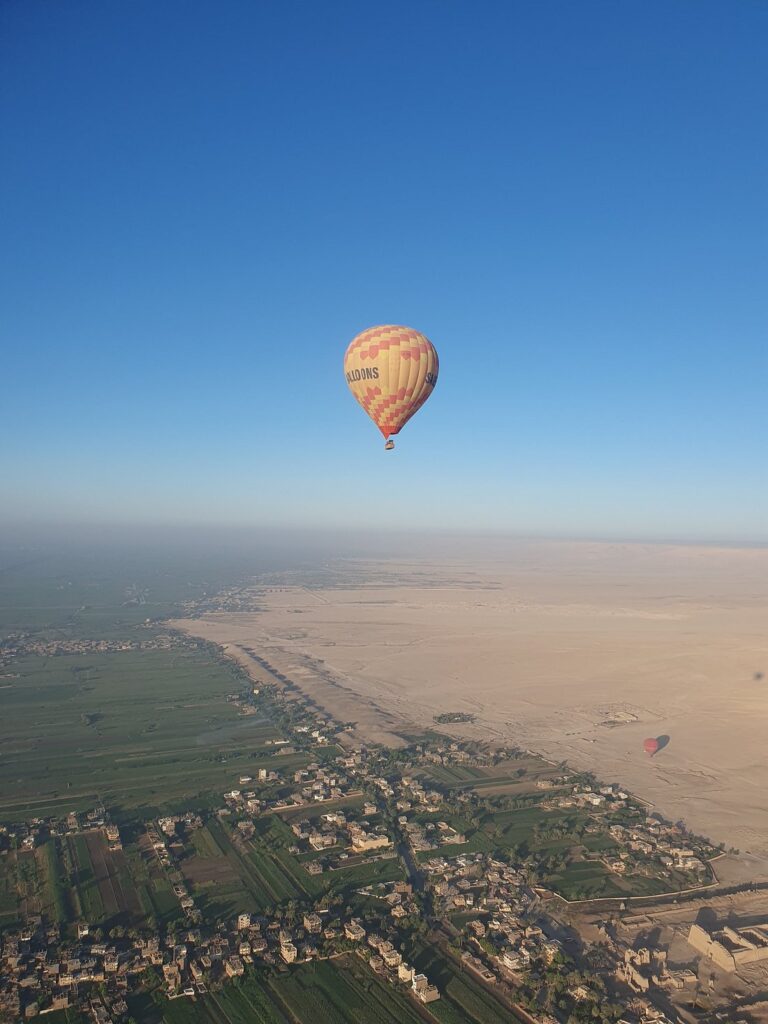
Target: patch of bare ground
(369,722)
(204,870)
(99,857)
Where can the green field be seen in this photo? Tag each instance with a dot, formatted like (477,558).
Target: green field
(157,897)
(138,730)
(584,880)
(463,1000)
(229,874)
(367,873)
(9,901)
(600,843)
(454,776)
(339,991)
(65,1017)
(478,840)
(313,812)
(91,905)
(76,878)
(517,775)
(591,880)
(342,992)
(57,902)
(529,825)
(579,882)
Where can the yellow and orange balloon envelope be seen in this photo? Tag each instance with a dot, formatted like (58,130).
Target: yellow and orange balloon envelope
(391,371)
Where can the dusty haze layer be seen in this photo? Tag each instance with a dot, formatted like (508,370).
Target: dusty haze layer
(577,651)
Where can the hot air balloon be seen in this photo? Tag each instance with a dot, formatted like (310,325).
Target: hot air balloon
(391,371)
(650,746)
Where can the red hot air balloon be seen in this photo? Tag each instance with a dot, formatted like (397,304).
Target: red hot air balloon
(650,746)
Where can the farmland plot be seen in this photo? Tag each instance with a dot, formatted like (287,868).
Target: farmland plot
(9,891)
(464,1001)
(342,992)
(127,719)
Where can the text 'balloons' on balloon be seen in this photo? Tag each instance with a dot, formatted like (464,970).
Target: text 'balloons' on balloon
(391,371)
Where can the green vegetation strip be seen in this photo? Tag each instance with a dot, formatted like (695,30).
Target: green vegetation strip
(467,998)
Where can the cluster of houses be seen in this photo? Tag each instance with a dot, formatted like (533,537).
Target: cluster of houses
(40,971)
(27,835)
(611,796)
(505,905)
(478,881)
(642,969)
(406,792)
(399,899)
(18,645)
(333,831)
(648,847)
(505,939)
(164,836)
(657,843)
(314,784)
(510,939)
(430,835)
(386,961)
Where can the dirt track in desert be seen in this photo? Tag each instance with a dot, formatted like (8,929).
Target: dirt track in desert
(576,651)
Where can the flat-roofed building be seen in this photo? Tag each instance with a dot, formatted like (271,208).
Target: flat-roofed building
(731,948)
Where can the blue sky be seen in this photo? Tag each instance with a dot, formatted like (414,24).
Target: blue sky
(201,203)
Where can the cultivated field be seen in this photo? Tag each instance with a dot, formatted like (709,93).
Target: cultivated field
(10,904)
(103,887)
(463,1000)
(139,730)
(340,991)
(228,874)
(517,777)
(78,878)
(65,1017)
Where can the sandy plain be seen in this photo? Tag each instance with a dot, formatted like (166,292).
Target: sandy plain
(577,651)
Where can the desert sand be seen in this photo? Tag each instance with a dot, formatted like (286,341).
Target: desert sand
(577,651)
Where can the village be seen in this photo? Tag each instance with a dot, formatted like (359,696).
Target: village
(398,851)
(22,644)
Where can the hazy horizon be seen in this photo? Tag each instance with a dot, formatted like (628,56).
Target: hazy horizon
(293,543)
